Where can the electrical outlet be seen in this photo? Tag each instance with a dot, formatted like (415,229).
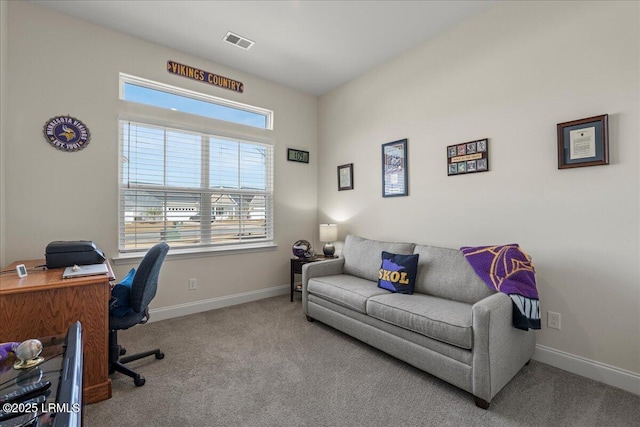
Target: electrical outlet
(553,320)
(193,284)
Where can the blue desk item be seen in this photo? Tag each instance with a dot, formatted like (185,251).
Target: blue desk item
(121,293)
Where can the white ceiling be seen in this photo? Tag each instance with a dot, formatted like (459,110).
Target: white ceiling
(311,46)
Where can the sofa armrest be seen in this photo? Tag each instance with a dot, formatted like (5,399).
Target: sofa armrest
(499,349)
(317,269)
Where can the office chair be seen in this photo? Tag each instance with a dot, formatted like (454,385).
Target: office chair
(143,289)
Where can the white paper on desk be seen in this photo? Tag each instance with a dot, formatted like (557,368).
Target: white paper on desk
(85,270)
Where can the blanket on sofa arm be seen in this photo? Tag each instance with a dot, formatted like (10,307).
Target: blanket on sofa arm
(509,270)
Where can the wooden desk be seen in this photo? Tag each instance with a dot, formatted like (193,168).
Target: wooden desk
(44,304)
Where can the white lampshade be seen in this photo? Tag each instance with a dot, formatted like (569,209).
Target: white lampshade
(328,232)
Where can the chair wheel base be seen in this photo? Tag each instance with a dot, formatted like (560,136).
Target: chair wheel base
(117,363)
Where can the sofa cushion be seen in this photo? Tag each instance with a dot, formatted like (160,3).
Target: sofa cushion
(398,272)
(437,318)
(446,350)
(446,273)
(349,291)
(362,256)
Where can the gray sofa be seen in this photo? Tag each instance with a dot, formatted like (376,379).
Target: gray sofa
(453,327)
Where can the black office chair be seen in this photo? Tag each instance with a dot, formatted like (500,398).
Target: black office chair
(143,289)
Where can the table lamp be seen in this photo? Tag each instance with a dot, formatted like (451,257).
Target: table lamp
(328,234)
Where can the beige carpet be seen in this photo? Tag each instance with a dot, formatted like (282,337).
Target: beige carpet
(263,364)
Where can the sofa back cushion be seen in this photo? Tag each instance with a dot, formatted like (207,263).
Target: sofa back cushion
(362,257)
(445,273)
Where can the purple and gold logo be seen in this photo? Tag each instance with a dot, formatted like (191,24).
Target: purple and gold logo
(66,133)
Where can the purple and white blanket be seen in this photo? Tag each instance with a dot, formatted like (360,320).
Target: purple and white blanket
(509,270)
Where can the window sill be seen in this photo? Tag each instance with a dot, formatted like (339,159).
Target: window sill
(135,257)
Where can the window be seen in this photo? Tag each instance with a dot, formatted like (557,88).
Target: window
(192,189)
(144,91)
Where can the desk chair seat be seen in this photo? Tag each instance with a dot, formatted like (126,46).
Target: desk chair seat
(143,290)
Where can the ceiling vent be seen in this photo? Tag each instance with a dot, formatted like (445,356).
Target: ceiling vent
(239,41)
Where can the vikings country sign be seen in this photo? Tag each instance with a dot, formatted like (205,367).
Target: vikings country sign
(204,76)
(66,133)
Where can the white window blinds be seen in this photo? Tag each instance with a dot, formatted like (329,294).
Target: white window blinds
(192,189)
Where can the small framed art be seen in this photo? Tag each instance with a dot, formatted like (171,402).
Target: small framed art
(583,142)
(345,177)
(394,169)
(468,157)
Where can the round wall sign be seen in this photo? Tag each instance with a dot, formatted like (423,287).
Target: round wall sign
(66,133)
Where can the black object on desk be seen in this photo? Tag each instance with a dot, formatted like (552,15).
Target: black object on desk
(25,392)
(65,254)
(70,384)
(55,385)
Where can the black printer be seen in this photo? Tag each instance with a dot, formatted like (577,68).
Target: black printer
(78,252)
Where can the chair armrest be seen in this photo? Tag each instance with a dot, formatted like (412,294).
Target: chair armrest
(317,269)
(499,349)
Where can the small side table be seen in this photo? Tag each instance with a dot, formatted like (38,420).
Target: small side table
(296,268)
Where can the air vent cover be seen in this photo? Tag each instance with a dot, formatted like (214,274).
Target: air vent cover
(239,41)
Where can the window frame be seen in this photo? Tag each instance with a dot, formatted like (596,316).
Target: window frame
(158,116)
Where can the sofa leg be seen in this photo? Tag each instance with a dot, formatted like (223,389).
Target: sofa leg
(310,319)
(481,403)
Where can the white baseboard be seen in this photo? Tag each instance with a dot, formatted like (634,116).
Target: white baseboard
(607,374)
(610,375)
(214,303)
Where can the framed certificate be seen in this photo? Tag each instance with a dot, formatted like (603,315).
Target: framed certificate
(583,142)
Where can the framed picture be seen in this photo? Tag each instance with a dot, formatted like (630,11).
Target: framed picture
(468,157)
(345,177)
(300,156)
(583,142)
(394,169)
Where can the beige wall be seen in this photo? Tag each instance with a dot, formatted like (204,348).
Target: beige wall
(511,75)
(60,65)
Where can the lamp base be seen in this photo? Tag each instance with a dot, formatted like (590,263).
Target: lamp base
(328,249)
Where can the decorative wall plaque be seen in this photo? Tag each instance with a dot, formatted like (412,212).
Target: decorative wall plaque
(294,155)
(66,133)
(204,76)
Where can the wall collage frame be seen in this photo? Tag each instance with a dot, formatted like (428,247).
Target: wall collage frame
(468,157)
